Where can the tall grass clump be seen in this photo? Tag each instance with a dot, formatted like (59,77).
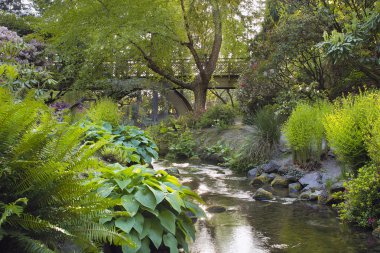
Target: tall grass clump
(351,128)
(259,145)
(304,131)
(105,110)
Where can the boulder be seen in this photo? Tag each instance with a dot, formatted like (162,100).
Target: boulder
(273,176)
(172,171)
(332,200)
(262,194)
(310,195)
(252,173)
(376,232)
(291,178)
(216,209)
(280,182)
(270,167)
(195,159)
(337,187)
(294,187)
(261,180)
(311,181)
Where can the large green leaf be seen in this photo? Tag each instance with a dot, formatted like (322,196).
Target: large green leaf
(130,204)
(171,242)
(167,220)
(146,228)
(134,237)
(125,224)
(105,190)
(139,223)
(123,183)
(146,198)
(159,195)
(155,233)
(175,201)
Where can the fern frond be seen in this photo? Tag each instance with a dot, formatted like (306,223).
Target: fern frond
(28,244)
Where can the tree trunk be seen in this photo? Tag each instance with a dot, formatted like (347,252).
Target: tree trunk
(200,95)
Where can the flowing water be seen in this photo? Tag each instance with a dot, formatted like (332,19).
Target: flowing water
(249,226)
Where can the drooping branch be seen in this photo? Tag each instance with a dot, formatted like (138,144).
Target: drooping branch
(157,69)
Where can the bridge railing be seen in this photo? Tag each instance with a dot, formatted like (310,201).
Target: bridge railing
(226,67)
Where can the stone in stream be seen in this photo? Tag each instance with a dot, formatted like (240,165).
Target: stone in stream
(311,181)
(310,195)
(261,180)
(281,182)
(332,200)
(262,194)
(216,209)
(376,232)
(294,188)
(270,167)
(172,171)
(252,173)
(337,187)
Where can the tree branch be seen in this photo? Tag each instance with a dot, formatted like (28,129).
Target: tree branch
(213,59)
(157,69)
(190,44)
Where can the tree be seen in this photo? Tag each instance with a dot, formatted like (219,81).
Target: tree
(156,32)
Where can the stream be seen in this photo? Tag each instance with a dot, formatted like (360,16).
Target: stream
(249,226)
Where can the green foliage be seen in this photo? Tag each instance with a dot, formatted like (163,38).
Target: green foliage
(105,110)
(218,116)
(362,204)
(305,132)
(184,145)
(350,126)
(128,144)
(43,200)
(152,207)
(260,144)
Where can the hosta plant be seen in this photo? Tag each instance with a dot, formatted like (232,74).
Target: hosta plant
(153,208)
(128,142)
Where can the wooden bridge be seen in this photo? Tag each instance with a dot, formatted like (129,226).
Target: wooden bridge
(128,74)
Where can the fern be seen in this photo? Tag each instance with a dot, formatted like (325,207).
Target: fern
(43,200)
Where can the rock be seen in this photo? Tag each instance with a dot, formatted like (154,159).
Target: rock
(172,171)
(195,159)
(216,209)
(252,173)
(270,167)
(376,232)
(294,187)
(310,195)
(273,176)
(220,172)
(291,178)
(331,154)
(262,194)
(332,200)
(280,182)
(260,180)
(192,216)
(311,181)
(337,187)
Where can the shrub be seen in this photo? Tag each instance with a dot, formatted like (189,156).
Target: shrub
(362,205)
(219,115)
(305,132)
(183,146)
(105,110)
(152,207)
(261,144)
(43,201)
(350,126)
(128,144)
